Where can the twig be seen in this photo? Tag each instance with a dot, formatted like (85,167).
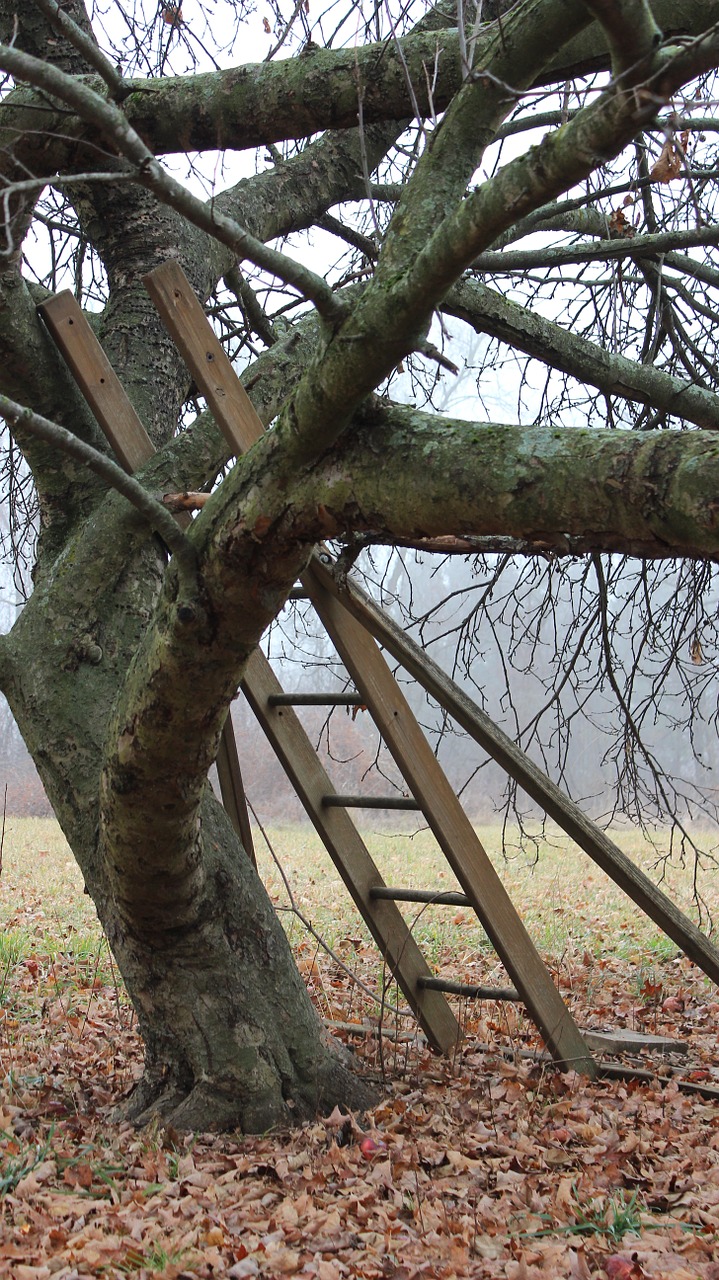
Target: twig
(429,350)
(403,62)
(149,508)
(28,185)
(288,27)
(90,51)
(363,151)
(184,501)
(236,282)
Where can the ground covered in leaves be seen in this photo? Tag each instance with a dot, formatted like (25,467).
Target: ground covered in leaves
(490,1165)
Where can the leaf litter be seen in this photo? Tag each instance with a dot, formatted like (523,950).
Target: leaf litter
(488,1165)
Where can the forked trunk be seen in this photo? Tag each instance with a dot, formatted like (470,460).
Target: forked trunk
(231,1037)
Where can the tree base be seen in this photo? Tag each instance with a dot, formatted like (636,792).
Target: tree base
(223,1106)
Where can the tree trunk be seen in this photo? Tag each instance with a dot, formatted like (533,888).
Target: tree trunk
(231,1037)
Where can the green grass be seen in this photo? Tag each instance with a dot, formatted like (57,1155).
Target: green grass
(613,1216)
(15,944)
(569,905)
(566,901)
(16,1161)
(155,1259)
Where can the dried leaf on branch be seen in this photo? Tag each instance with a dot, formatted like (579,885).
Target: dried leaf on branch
(670,164)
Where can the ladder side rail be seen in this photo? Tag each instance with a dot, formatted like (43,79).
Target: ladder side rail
(187,324)
(184,318)
(559,806)
(133,447)
(97,380)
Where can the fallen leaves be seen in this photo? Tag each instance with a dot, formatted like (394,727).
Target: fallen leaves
(481,1167)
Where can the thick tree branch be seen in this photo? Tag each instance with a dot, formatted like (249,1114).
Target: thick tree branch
(489,312)
(268,102)
(636,493)
(6,664)
(563,158)
(615,491)
(526,40)
(630,28)
(392,314)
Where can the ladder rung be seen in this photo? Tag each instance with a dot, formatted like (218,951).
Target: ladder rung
(315,700)
(421,895)
(298,593)
(466,989)
(368,802)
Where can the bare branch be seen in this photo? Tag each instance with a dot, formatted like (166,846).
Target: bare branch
(488,311)
(152,511)
(90,51)
(149,173)
(637,246)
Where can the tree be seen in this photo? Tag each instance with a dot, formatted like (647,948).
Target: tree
(122,666)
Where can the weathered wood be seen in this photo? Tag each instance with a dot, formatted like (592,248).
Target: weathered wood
(369,802)
(133,447)
(97,380)
(609,1070)
(185,319)
(451,827)
(470,990)
(232,788)
(317,700)
(189,328)
(595,842)
(623,1041)
(349,854)
(428,896)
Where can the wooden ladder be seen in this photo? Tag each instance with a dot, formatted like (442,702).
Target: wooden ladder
(353,622)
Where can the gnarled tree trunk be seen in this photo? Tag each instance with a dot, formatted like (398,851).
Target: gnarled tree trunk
(231,1037)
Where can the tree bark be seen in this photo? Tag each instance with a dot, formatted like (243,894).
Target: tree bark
(231,1038)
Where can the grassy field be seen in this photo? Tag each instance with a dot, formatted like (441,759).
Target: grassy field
(563,897)
(486,1165)
(572,910)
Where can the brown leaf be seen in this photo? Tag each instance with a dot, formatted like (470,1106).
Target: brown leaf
(619,1267)
(620,228)
(579,1268)
(669,165)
